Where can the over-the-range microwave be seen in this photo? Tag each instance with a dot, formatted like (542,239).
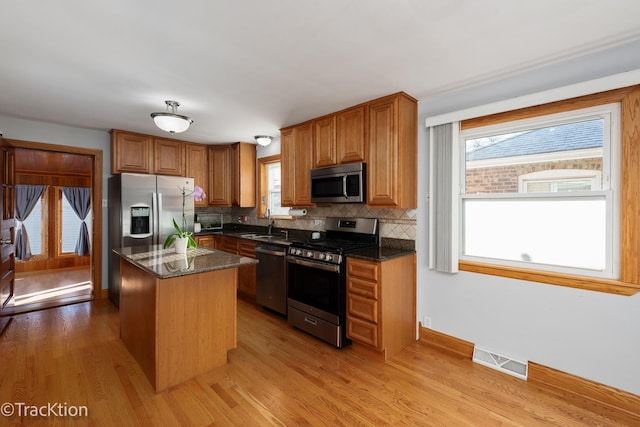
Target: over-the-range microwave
(339,184)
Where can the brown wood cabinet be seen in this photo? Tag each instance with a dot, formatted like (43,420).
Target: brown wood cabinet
(351,134)
(138,153)
(131,152)
(209,241)
(392,164)
(232,175)
(243,175)
(219,175)
(324,141)
(296,162)
(246,274)
(381,304)
(168,157)
(197,168)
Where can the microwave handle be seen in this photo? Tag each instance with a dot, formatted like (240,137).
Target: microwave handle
(344,186)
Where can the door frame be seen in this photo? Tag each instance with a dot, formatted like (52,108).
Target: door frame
(96,201)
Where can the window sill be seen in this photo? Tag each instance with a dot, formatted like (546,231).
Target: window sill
(579,282)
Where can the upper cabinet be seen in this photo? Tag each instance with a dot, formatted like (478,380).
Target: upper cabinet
(351,134)
(296,158)
(219,175)
(392,152)
(168,157)
(197,168)
(324,141)
(243,175)
(383,133)
(139,153)
(131,152)
(232,175)
(340,137)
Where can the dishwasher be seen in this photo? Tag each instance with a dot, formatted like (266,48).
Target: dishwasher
(271,277)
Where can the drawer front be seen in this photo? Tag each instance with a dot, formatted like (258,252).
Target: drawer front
(364,308)
(363,332)
(205,242)
(365,288)
(247,249)
(363,269)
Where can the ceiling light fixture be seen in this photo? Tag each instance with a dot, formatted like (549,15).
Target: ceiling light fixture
(263,140)
(171,122)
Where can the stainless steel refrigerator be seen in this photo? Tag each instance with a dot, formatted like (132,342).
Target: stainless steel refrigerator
(141,212)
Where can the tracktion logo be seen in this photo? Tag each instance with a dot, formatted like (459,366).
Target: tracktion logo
(52,409)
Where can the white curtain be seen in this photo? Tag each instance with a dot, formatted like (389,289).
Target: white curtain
(444,167)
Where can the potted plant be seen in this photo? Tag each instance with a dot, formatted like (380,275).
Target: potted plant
(183,238)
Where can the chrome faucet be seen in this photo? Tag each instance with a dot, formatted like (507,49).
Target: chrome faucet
(270,221)
(286,234)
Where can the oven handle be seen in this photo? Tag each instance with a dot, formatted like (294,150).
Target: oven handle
(326,267)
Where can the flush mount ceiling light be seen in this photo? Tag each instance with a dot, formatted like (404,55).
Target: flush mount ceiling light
(263,140)
(170,121)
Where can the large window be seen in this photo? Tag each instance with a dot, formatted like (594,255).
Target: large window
(543,193)
(269,188)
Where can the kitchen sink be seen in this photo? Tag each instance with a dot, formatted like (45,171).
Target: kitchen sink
(266,238)
(251,236)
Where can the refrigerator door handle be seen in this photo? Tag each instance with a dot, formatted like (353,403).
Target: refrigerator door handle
(154,219)
(159,219)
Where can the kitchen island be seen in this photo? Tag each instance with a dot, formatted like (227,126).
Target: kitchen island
(178,312)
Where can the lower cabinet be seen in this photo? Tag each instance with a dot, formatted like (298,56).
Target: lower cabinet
(209,241)
(381,304)
(247,274)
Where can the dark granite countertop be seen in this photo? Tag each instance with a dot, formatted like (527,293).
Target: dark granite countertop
(165,263)
(379,253)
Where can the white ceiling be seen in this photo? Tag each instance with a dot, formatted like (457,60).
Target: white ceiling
(246,67)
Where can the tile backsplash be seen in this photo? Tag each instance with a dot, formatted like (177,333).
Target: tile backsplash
(394,223)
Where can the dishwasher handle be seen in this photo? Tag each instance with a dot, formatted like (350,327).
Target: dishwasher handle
(260,250)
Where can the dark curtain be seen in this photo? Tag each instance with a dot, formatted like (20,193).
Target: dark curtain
(80,200)
(27,197)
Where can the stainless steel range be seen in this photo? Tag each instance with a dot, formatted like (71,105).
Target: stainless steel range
(317,277)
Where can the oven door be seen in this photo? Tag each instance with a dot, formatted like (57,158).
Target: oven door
(316,288)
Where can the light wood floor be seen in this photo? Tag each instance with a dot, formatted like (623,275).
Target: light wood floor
(35,291)
(276,376)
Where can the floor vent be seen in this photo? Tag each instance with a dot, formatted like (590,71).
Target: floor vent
(501,363)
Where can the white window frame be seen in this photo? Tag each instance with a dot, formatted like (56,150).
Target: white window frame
(610,113)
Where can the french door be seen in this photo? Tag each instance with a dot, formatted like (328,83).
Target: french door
(7,230)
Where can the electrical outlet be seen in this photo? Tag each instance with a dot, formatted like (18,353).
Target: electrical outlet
(426,322)
(318,223)
(105,203)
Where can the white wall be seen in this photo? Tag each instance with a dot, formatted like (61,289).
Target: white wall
(589,334)
(48,133)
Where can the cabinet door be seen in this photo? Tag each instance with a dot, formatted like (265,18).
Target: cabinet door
(324,141)
(288,167)
(168,157)
(196,167)
(219,175)
(382,162)
(230,244)
(131,152)
(351,127)
(303,164)
(243,175)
